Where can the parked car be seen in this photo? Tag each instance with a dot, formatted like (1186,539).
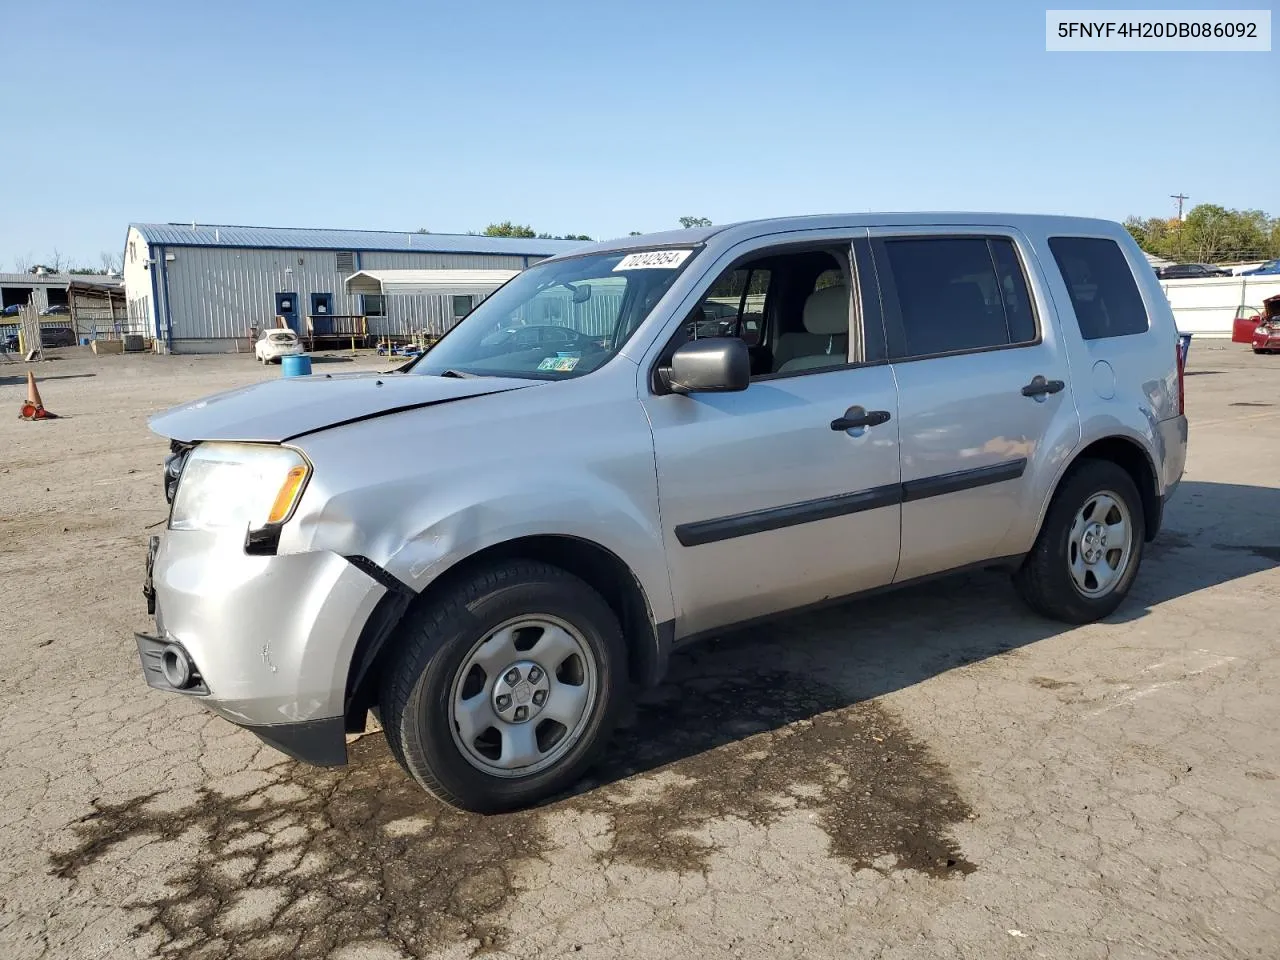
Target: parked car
(1245,323)
(1266,333)
(49,337)
(274,343)
(10,311)
(57,310)
(490,546)
(1192,271)
(1270,267)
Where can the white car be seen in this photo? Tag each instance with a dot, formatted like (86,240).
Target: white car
(275,343)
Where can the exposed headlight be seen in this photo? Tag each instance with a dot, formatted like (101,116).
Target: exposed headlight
(237,486)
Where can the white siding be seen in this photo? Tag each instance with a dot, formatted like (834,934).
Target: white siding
(218,293)
(137,284)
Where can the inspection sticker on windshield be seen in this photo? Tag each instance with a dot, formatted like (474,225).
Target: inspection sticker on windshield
(559,364)
(653,260)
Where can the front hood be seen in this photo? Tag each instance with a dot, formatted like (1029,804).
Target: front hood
(283,409)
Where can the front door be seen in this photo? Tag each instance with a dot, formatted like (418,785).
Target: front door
(768,501)
(985,404)
(287,307)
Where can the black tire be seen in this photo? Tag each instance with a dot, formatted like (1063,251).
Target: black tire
(1044,580)
(434,642)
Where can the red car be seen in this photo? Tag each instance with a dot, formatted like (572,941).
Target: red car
(1262,328)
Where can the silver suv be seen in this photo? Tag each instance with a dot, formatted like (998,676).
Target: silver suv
(704,428)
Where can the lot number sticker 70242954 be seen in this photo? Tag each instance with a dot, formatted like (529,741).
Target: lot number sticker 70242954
(653,260)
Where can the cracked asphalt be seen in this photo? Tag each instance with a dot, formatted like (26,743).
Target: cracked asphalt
(931,773)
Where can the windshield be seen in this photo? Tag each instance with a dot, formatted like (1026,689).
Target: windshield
(558,319)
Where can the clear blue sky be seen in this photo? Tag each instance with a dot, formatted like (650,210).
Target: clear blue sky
(598,117)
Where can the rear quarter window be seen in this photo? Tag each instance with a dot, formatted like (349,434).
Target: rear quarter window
(1103,292)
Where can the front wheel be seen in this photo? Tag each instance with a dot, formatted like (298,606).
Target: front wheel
(503,691)
(1087,554)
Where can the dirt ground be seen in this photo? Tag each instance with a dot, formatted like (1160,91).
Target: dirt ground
(933,773)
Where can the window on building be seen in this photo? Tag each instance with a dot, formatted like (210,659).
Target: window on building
(374,305)
(462,306)
(1103,292)
(57,298)
(956,294)
(133,252)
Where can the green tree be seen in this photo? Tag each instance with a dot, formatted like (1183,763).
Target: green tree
(1209,234)
(688,222)
(508,229)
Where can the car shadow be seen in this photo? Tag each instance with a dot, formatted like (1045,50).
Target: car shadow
(793,669)
(329,359)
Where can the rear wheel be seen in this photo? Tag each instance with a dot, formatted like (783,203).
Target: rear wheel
(1087,554)
(504,690)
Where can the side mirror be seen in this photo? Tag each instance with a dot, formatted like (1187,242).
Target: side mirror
(715,365)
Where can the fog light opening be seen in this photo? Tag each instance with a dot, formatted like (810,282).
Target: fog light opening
(176,666)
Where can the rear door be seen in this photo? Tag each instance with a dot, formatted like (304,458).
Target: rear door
(985,401)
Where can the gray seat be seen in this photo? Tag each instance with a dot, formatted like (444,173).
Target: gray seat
(825,341)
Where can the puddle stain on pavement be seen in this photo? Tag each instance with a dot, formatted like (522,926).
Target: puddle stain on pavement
(328,858)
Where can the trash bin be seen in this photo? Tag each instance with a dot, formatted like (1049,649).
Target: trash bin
(296,366)
(85,341)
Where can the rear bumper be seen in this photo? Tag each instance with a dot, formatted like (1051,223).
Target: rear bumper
(1171,437)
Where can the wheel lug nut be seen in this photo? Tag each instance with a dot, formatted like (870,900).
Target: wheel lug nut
(504,701)
(539,697)
(513,676)
(534,674)
(522,713)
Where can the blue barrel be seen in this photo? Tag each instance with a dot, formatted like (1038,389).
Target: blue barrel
(296,366)
(85,341)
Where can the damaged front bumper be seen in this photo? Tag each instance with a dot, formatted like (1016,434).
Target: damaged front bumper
(264,641)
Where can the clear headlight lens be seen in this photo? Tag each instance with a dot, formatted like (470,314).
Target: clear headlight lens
(237,486)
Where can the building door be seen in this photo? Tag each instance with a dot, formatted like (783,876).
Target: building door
(287,307)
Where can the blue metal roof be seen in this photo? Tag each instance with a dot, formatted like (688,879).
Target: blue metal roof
(296,238)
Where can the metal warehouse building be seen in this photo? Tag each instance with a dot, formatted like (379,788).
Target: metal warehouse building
(202,288)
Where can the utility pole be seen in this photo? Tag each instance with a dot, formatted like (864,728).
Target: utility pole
(1179,197)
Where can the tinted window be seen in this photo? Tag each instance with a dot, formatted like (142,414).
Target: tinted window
(1018,311)
(1102,289)
(962,293)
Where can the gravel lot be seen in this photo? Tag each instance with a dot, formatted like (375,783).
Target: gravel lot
(933,773)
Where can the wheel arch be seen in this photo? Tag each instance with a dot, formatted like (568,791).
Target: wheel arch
(648,642)
(1132,457)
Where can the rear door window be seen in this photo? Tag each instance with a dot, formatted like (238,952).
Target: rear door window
(1103,292)
(954,294)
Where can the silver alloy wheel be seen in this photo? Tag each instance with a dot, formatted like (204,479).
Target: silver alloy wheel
(523,695)
(1100,544)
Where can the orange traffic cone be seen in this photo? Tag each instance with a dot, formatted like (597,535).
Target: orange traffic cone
(34,409)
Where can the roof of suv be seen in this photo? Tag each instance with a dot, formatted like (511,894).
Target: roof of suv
(746,229)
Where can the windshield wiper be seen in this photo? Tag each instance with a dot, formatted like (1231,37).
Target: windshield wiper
(458,374)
